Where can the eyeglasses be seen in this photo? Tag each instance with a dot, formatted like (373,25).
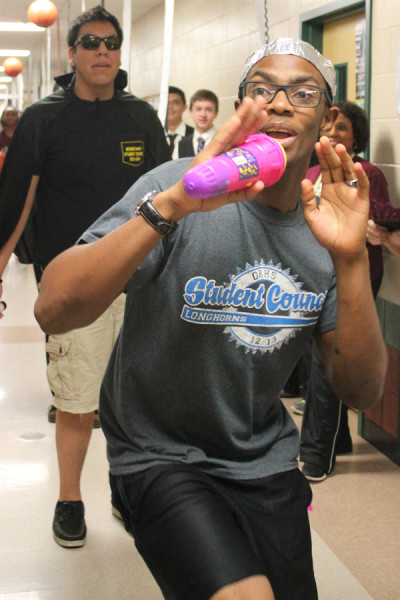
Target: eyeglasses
(304,95)
(92,42)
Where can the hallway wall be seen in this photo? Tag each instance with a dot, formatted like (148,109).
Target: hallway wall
(385,122)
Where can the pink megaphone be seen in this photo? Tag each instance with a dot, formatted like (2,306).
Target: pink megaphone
(259,158)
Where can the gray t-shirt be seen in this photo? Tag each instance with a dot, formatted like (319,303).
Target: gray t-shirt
(216,318)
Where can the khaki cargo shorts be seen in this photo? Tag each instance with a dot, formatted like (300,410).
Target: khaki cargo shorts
(78,360)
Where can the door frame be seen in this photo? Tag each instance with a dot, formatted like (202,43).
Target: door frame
(312,24)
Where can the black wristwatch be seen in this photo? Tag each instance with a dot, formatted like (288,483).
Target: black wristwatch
(146,209)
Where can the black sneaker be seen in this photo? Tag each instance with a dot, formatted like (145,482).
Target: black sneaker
(313,473)
(115,511)
(69,526)
(96,420)
(299,407)
(51,413)
(344,445)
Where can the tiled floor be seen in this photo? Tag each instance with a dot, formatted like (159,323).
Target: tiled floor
(355,517)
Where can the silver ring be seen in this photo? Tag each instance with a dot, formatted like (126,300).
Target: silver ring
(351,182)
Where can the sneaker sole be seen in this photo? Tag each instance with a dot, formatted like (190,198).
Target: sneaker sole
(298,408)
(116,513)
(315,479)
(70,543)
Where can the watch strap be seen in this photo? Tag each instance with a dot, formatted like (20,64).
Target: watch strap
(146,209)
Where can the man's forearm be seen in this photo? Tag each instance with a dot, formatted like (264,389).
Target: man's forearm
(80,283)
(359,357)
(9,246)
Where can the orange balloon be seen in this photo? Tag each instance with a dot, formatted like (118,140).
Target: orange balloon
(12,66)
(42,13)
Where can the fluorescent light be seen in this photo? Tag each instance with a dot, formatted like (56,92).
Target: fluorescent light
(5,79)
(14,52)
(19,26)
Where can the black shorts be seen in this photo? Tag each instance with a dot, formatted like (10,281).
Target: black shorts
(198,533)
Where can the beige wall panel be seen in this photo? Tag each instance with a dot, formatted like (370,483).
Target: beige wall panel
(386,14)
(285,28)
(212,38)
(383,103)
(385,123)
(384,55)
(386,150)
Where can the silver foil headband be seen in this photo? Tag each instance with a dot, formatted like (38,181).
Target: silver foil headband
(297,48)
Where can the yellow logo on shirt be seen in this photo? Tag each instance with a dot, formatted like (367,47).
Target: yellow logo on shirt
(132,153)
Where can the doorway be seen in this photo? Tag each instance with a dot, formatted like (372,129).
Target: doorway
(341,31)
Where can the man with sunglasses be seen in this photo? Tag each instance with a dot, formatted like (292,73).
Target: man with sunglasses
(203,454)
(76,152)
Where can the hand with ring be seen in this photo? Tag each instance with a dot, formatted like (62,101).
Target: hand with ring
(339,219)
(351,182)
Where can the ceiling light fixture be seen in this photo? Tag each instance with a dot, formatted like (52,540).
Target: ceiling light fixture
(19,26)
(4,52)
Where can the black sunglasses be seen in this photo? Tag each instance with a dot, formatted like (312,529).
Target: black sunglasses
(92,42)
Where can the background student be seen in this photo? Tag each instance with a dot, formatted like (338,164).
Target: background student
(75,153)
(176,128)
(203,110)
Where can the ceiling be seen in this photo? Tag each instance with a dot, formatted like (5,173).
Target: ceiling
(68,10)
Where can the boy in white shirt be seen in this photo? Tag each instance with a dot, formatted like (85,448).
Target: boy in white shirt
(176,128)
(203,109)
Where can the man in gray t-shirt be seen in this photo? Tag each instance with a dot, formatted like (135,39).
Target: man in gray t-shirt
(203,455)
